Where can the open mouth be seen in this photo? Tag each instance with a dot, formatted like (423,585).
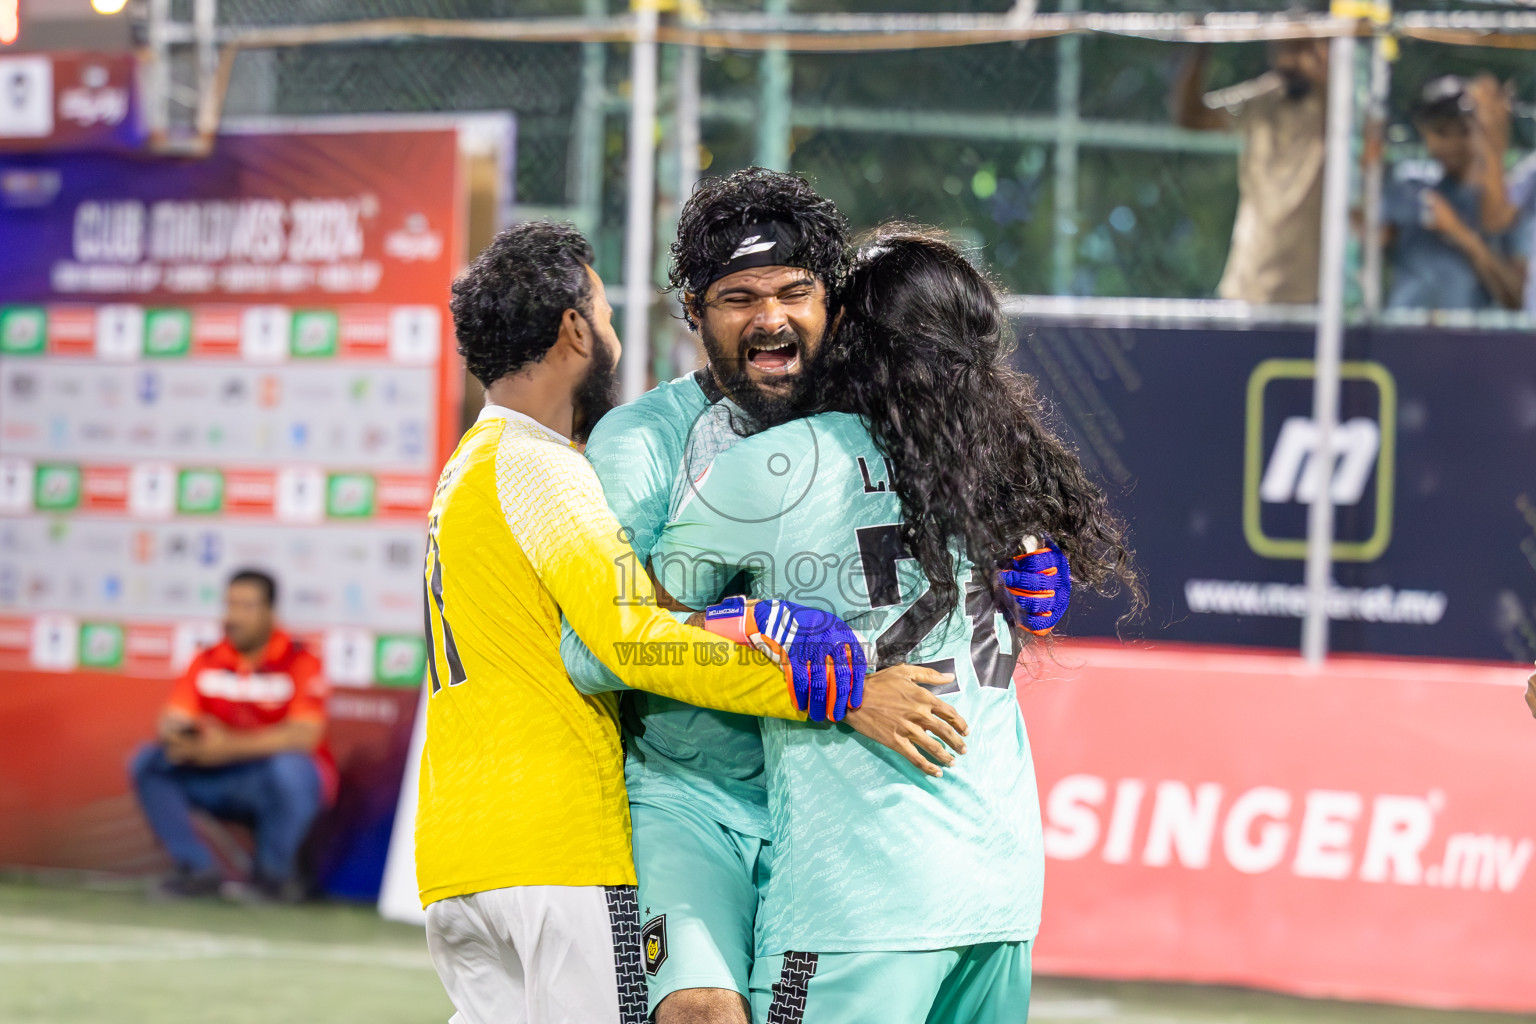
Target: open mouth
(776,358)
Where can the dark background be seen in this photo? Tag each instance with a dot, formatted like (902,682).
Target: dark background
(1159,416)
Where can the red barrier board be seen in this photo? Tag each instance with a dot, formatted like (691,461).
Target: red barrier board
(64,796)
(1361,832)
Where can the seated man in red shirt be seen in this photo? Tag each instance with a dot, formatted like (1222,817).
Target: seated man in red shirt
(241,739)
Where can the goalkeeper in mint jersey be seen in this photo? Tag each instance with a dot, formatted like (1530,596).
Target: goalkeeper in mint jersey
(757,267)
(758,256)
(900,896)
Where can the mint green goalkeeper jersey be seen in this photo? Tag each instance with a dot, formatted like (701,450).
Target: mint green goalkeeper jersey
(645,454)
(868,852)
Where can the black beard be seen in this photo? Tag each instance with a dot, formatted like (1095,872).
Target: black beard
(597,393)
(767,408)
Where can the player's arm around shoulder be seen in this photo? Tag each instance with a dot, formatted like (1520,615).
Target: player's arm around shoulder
(555,509)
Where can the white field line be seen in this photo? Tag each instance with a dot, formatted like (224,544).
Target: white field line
(45,941)
(38,941)
(1073,1009)
(1095,1010)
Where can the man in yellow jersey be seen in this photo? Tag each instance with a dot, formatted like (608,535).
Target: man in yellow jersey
(522,834)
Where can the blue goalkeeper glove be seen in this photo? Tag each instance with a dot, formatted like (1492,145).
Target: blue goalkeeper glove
(822,658)
(1040,583)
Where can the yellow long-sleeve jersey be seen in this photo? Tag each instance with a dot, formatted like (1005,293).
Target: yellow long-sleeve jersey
(522,776)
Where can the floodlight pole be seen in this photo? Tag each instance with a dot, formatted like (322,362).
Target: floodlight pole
(1069,87)
(688,135)
(157,108)
(638,241)
(205,16)
(774,98)
(1371,183)
(1330,344)
(585,185)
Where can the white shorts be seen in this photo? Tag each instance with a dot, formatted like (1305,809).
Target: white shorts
(540,954)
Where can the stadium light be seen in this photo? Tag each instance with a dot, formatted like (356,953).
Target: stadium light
(108,6)
(10,21)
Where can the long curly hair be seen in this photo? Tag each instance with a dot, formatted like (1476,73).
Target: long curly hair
(921,355)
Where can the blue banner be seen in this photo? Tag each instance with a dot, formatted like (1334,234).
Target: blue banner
(1205,442)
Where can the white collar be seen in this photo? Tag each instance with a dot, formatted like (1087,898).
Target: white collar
(502,412)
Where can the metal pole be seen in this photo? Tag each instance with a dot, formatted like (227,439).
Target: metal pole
(1330,344)
(774,99)
(157,108)
(1370,200)
(669,204)
(1069,80)
(205,15)
(587,129)
(640,228)
(688,136)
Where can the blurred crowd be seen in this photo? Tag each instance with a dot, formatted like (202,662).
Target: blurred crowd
(1456,226)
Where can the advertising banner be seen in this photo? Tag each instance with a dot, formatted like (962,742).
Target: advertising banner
(1205,441)
(1360,832)
(214,364)
(58,101)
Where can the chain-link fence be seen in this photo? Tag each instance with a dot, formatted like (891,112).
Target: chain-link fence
(1057,159)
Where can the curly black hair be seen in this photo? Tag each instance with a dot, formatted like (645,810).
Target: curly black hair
(922,356)
(507,304)
(709,229)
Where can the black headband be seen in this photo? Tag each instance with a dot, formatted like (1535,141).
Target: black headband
(758,245)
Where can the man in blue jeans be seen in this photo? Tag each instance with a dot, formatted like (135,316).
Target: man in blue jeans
(240,739)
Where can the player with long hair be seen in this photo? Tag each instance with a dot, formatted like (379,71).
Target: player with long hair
(928,449)
(922,357)
(758,262)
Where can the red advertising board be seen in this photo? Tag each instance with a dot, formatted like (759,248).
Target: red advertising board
(69,101)
(244,360)
(64,796)
(1362,832)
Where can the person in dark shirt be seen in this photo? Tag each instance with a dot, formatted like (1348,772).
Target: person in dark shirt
(1446,252)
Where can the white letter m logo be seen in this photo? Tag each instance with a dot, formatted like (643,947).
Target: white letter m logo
(1295,473)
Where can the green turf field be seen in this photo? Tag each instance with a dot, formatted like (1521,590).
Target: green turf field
(71,955)
(76,954)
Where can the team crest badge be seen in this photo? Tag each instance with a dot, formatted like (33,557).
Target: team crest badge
(653,939)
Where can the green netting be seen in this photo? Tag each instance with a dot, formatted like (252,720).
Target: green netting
(1111,200)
